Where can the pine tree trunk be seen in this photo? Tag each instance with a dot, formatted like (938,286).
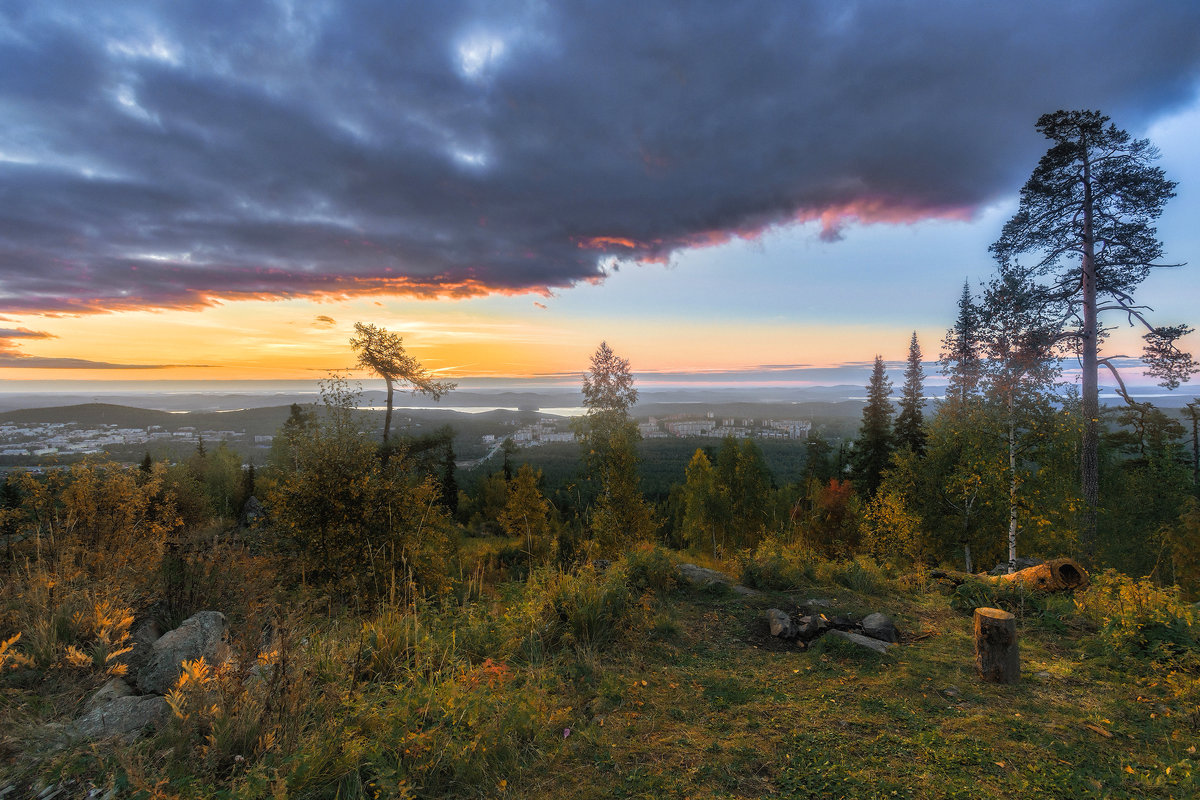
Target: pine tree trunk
(1089,457)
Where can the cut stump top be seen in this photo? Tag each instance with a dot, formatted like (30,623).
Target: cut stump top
(994,613)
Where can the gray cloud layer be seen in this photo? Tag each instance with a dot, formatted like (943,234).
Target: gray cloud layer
(168,155)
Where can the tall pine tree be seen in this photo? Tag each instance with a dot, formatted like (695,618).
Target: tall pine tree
(1086,216)
(873,448)
(910,422)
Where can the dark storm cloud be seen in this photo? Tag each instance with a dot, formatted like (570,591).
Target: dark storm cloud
(172,155)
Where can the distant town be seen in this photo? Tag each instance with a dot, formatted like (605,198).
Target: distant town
(66,438)
(679,426)
(31,440)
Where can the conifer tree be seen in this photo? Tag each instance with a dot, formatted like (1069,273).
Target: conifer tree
(873,448)
(910,422)
(383,353)
(960,361)
(1087,214)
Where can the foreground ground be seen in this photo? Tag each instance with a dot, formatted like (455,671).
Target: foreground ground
(691,699)
(710,707)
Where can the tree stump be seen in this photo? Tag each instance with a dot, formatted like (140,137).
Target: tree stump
(996,655)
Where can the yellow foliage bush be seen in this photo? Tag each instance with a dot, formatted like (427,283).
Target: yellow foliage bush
(1139,617)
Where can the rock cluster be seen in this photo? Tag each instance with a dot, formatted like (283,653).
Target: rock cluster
(875,631)
(155,663)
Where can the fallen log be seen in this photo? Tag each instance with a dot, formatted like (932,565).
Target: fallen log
(1058,575)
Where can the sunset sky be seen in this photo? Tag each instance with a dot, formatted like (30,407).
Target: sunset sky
(219,190)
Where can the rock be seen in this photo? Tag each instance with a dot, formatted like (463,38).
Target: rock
(781,623)
(951,691)
(205,635)
(1043,674)
(702,575)
(124,716)
(142,636)
(841,623)
(808,627)
(117,687)
(252,511)
(818,603)
(880,626)
(863,641)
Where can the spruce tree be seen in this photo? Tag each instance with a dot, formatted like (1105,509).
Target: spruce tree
(910,422)
(960,352)
(873,448)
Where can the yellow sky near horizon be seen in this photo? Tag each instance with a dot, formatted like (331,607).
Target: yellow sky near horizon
(491,337)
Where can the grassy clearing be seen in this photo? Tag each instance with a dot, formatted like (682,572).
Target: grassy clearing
(624,684)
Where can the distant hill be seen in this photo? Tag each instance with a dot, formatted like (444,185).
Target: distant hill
(93,414)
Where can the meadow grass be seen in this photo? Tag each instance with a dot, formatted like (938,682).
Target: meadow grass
(624,683)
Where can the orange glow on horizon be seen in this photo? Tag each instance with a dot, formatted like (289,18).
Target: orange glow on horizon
(302,339)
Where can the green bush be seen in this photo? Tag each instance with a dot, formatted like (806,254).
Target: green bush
(589,608)
(775,565)
(862,575)
(1139,618)
(649,568)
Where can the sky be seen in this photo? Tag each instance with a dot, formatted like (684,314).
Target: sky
(218,190)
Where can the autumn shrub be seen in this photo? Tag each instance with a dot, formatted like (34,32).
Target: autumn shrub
(1182,540)
(861,574)
(10,656)
(351,521)
(890,530)
(62,615)
(1136,617)
(648,568)
(243,725)
(102,636)
(418,716)
(589,608)
(210,568)
(775,564)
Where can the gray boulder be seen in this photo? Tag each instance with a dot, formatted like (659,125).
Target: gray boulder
(780,623)
(881,627)
(142,636)
(703,576)
(862,641)
(124,716)
(205,635)
(252,511)
(809,627)
(116,687)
